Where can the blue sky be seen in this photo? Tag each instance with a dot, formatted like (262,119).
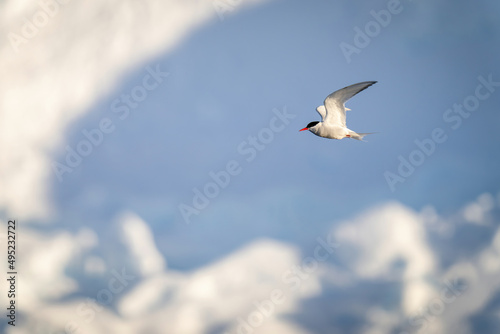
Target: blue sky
(227,80)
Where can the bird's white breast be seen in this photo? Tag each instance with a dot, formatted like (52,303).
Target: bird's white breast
(329,131)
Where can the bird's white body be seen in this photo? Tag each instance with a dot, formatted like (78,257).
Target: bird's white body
(333,123)
(331,131)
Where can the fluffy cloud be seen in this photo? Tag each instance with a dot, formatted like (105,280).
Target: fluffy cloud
(140,241)
(385,235)
(61,59)
(387,244)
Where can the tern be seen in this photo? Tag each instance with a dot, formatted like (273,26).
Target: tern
(332,112)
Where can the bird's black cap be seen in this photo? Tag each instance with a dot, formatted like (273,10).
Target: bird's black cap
(310,125)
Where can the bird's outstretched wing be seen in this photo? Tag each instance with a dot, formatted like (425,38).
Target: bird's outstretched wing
(322,112)
(334,103)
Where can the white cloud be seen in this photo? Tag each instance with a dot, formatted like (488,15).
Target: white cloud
(226,293)
(380,321)
(43,264)
(173,302)
(87,238)
(74,58)
(94,265)
(383,236)
(476,212)
(141,244)
(481,275)
(149,294)
(218,293)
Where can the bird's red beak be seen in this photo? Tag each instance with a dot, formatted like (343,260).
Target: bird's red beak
(303,129)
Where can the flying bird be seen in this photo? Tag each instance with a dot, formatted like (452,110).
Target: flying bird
(332,113)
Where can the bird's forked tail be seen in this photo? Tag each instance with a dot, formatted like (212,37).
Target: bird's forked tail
(359,136)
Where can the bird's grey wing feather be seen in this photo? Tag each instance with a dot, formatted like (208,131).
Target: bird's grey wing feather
(335,102)
(322,112)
